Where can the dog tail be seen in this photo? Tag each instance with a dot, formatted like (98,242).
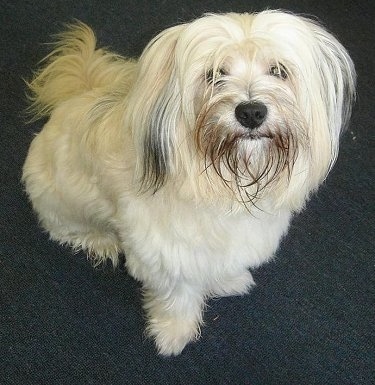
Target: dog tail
(73,67)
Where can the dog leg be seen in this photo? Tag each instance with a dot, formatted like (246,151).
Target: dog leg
(174,317)
(99,244)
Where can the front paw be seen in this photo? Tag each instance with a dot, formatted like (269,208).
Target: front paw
(171,335)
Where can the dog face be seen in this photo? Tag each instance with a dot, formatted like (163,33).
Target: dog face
(257,102)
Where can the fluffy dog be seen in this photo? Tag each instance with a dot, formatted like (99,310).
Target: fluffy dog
(190,160)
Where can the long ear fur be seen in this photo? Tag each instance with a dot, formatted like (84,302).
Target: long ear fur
(326,95)
(155,111)
(339,82)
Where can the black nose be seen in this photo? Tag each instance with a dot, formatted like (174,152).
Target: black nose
(251,115)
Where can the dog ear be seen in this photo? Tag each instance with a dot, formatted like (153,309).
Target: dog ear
(339,77)
(155,110)
(337,87)
(326,92)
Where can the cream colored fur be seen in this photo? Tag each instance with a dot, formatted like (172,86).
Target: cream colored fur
(122,164)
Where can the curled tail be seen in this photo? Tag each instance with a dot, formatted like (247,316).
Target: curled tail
(73,67)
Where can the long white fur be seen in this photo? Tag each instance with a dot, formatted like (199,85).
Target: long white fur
(117,167)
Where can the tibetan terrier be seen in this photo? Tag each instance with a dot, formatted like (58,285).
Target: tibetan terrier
(190,160)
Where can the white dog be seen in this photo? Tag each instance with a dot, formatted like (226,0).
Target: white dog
(190,160)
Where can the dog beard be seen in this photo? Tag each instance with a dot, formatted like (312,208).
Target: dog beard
(247,161)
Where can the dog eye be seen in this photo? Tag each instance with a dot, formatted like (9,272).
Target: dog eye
(279,71)
(215,76)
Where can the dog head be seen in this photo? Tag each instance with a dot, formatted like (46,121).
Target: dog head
(252,103)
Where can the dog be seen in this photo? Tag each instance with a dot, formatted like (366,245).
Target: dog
(192,159)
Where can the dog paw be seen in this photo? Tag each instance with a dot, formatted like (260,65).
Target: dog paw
(234,285)
(172,335)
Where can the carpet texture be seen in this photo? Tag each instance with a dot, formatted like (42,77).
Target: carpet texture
(310,319)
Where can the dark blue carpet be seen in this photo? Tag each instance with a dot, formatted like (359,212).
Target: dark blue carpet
(310,320)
